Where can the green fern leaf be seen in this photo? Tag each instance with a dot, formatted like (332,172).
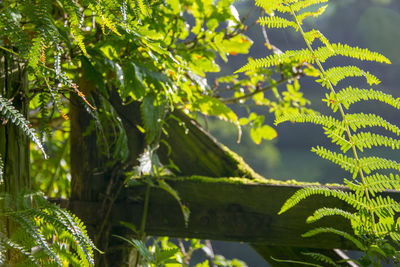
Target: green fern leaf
(10,113)
(339,139)
(312,35)
(73,12)
(271,5)
(348,197)
(10,23)
(326,121)
(364,140)
(323,212)
(26,251)
(359,53)
(25,222)
(303,55)
(361,120)
(35,51)
(336,74)
(321,257)
(349,237)
(377,183)
(345,162)
(277,22)
(321,53)
(351,95)
(298,5)
(385,206)
(302,16)
(369,164)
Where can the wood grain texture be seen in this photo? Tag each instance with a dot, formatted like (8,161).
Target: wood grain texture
(227,211)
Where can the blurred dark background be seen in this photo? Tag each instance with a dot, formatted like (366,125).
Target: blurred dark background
(373,24)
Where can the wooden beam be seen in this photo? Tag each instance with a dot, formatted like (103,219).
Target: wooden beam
(230,209)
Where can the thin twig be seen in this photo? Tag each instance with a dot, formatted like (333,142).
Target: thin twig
(269,87)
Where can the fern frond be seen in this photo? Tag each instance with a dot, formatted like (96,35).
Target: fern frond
(339,139)
(313,34)
(385,206)
(359,53)
(9,243)
(298,5)
(321,257)
(277,22)
(378,183)
(326,121)
(11,29)
(361,120)
(323,212)
(270,5)
(79,39)
(25,222)
(10,113)
(336,74)
(386,226)
(304,15)
(42,221)
(303,55)
(73,12)
(321,53)
(35,51)
(345,162)
(355,187)
(364,140)
(348,197)
(369,164)
(142,8)
(349,237)
(351,95)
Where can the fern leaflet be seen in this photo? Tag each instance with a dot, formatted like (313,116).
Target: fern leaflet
(349,237)
(351,95)
(345,162)
(317,13)
(10,113)
(336,74)
(360,120)
(323,212)
(364,140)
(277,22)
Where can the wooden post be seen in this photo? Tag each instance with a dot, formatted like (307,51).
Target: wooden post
(14,144)
(94,179)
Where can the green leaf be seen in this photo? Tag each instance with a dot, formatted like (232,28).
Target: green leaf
(133,84)
(153,111)
(264,132)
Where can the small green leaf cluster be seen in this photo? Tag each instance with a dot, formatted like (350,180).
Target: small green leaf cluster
(373,216)
(163,252)
(45,235)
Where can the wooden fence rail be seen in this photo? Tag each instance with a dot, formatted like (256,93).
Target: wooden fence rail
(233,209)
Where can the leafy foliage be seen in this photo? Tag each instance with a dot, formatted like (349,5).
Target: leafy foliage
(46,234)
(164,252)
(374,217)
(10,113)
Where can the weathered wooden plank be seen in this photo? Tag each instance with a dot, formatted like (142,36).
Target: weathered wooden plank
(227,209)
